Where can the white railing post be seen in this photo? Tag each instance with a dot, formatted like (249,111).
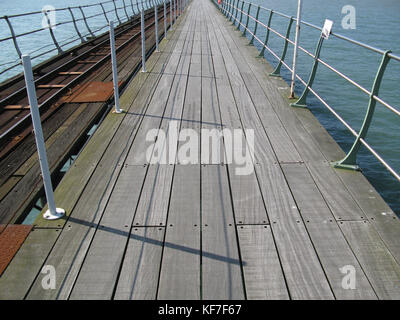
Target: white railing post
(156,24)
(114,68)
(296,45)
(143,41)
(165,19)
(52,213)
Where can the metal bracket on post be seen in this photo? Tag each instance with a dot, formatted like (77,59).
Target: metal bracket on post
(13,36)
(302,102)
(277,71)
(256,25)
(52,213)
(76,27)
(350,161)
(86,23)
(52,33)
(266,34)
(114,68)
(241,16)
(143,41)
(247,21)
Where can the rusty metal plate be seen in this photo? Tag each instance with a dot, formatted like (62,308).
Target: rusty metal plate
(95,91)
(11,239)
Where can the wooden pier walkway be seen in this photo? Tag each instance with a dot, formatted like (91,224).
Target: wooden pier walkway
(295,228)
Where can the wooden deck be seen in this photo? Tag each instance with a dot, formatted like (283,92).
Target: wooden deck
(199,231)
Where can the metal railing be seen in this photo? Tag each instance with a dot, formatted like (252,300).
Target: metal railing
(119,10)
(239,12)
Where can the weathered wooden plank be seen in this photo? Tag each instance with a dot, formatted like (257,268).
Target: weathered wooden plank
(99,272)
(141,266)
(221,272)
(379,265)
(74,242)
(21,272)
(263,275)
(180,269)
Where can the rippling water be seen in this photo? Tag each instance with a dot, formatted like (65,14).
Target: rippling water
(377,24)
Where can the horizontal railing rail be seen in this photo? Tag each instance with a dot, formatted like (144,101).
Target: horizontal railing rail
(239,12)
(79,22)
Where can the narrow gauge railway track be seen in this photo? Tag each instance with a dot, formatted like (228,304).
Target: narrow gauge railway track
(56,80)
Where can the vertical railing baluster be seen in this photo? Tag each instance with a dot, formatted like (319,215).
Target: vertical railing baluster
(75,25)
(350,161)
(237,11)
(126,13)
(241,16)
(13,36)
(116,12)
(247,21)
(255,27)
(277,71)
(105,14)
(86,23)
(267,34)
(51,32)
(114,68)
(302,102)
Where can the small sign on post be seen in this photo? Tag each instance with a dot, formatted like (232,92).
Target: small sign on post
(327,29)
(52,213)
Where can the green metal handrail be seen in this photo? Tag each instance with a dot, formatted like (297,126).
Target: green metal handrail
(350,160)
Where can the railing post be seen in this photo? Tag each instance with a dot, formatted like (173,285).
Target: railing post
(175,11)
(86,23)
(349,162)
(247,21)
(302,102)
(76,27)
(143,41)
(277,71)
(52,213)
(255,27)
(114,68)
(156,25)
(267,34)
(165,19)
(13,37)
(51,32)
(241,16)
(296,45)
